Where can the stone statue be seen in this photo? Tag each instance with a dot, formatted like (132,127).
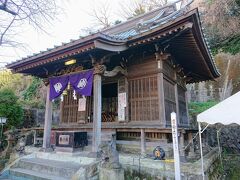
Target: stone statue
(21,145)
(109,157)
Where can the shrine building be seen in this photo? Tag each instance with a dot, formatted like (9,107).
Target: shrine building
(124,80)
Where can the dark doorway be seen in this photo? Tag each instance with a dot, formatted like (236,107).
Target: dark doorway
(109,102)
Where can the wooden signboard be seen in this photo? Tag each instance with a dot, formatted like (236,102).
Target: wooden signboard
(82,104)
(122,103)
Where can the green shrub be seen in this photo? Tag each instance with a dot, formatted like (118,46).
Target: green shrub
(31,91)
(196,108)
(10,108)
(231,45)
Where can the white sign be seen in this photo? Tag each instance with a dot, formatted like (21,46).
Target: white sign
(82,104)
(175,146)
(122,103)
(121,114)
(122,99)
(64,139)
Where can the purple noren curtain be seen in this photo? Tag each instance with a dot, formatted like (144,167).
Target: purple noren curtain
(57,86)
(82,82)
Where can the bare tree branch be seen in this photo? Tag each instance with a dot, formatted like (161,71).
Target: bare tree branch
(101,14)
(14,14)
(221,19)
(4,7)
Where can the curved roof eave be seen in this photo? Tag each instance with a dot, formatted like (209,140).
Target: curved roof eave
(98,40)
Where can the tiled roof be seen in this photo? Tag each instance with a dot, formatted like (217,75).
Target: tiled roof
(132,27)
(164,15)
(122,34)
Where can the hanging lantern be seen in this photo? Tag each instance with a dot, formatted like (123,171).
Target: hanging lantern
(70,62)
(68,86)
(64,93)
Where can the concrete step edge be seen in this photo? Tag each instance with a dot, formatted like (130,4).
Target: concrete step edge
(49,164)
(19,172)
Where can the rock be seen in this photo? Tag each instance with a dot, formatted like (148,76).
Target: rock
(109,157)
(110,174)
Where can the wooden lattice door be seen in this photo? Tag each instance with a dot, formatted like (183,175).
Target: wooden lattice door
(69,109)
(143,99)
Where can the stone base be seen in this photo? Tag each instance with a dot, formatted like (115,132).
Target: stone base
(191,154)
(110,174)
(183,159)
(46,150)
(92,155)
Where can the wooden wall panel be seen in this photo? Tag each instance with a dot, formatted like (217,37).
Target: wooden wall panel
(170,103)
(143,69)
(168,70)
(152,136)
(183,118)
(143,99)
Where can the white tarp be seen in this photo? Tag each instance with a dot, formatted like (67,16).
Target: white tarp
(225,112)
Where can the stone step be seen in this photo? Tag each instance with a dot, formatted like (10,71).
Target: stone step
(51,167)
(26,174)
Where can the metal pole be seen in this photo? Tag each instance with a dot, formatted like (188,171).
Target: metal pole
(200,141)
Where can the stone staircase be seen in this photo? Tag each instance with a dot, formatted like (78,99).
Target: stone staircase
(55,165)
(42,169)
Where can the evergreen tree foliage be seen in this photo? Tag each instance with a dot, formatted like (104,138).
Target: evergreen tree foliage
(10,108)
(31,91)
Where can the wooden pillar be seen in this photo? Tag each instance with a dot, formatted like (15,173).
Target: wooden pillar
(97,109)
(34,137)
(160,80)
(48,122)
(177,104)
(190,140)
(143,142)
(182,151)
(161,100)
(186,100)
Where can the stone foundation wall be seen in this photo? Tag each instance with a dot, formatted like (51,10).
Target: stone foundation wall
(160,170)
(135,147)
(229,137)
(36,117)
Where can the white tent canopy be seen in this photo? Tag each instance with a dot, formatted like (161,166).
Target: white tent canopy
(225,112)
